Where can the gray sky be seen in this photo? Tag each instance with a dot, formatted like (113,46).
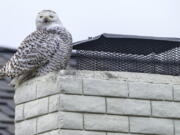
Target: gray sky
(85,18)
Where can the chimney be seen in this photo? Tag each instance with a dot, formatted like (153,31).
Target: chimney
(98,103)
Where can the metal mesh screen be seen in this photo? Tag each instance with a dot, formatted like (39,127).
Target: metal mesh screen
(146,59)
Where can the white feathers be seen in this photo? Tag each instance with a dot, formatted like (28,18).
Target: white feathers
(54,25)
(46,19)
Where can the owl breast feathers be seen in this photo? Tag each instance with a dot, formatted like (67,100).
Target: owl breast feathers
(41,52)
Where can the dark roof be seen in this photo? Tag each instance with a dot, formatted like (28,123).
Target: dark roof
(6,97)
(8,50)
(113,52)
(122,42)
(108,35)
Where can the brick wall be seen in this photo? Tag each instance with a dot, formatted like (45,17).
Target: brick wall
(98,103)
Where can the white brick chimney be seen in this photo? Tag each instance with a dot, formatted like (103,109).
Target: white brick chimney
(98,103)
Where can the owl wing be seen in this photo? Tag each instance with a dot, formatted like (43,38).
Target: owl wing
(33,52)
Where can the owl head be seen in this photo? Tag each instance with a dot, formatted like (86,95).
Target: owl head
(47,19)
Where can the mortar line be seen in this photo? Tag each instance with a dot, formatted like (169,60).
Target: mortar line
(151,107)
(106,106)
(36,125)
(173,92)
(48,104)
(82,86)
(129,128)
(23,112)
(174,127)
(128,88)
(83,122)
(36,92)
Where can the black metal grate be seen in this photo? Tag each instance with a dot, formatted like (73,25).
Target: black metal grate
(128,53)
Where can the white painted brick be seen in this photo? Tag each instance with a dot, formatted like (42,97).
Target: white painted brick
(128,106)
(69,120)
(82,103)
(47,122)
(69,85)
(166,109)
(128,76)
(36,107)
(47,85)
(105,88)
(27,127)
(151,126)
(177,92)
(177,127)
(19,111)
(80,132)
(53,132)
(121,134)
(106,122)
(84,74)
(151,91)
(25,92)
(54,103)
(71,123)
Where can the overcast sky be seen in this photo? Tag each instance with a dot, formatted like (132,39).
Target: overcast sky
(84,18)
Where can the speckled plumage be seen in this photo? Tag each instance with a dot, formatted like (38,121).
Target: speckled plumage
(43,51)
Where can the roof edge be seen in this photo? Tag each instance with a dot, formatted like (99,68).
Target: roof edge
(7,49)
(109,35)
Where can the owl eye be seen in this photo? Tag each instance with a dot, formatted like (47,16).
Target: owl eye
(41,16)
(51,16)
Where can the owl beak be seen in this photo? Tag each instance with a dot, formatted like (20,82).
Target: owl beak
(46,20)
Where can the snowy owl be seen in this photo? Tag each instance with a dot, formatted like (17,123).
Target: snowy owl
(45,50)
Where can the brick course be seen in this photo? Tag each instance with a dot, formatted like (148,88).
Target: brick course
(90,103)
